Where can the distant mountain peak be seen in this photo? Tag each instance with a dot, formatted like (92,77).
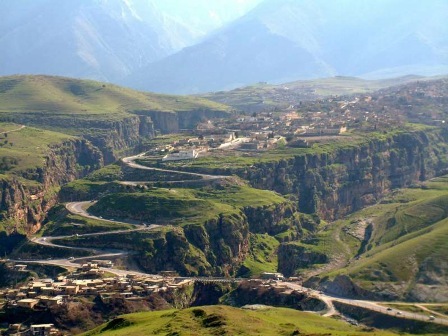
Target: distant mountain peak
(285,40)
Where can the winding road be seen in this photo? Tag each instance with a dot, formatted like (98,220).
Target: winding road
(79,208)
(130,162)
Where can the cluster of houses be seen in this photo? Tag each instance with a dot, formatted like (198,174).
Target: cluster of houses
(43,294)
(318,119)
(19,329)
(188,148)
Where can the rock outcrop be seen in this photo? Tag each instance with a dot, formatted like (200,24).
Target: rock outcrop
(172,122)
(341,179)
(26,198)
(293,256)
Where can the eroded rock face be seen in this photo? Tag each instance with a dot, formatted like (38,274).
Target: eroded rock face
(342,181)
(217,247)
(255,292)
(25,199)
(172,122)
(26,196)
(343,286)
(292,257)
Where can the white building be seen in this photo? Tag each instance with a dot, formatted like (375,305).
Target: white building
(181,155)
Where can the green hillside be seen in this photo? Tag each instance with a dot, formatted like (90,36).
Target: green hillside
(406,251)
(181,204)
(25,148)
(223,320)
(60,96)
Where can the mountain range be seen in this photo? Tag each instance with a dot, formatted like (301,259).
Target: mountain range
(100,39)
(280,41)
(137,44)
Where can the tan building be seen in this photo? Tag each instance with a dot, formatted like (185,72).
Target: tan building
(27,303)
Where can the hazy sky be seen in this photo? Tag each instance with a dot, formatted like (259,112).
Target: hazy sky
(206,13)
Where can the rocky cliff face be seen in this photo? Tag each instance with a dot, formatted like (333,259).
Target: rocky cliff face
(25,198)
(254,292)
(172,122)
(344,180)
(110,136)
(292,257)
(118,136)
(273,219)
(218,246)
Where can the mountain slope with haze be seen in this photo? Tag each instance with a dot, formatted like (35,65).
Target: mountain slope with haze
(281,41)
(98,39)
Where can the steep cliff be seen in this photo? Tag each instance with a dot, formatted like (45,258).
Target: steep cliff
(254,292)
(171,122)
(115,137)
(293,256)
(205,237)
(335,180)
(215,247)
(26,196)
(110,135)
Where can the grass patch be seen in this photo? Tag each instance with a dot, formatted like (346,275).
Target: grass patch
(176,205)
(409,238)
(60,101)
(63,223)
(224,320)
(262,257)
(26,148)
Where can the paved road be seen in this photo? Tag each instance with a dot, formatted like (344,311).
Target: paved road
(129,161)
(377,307)
(370,305)
(79,209)
(48,241)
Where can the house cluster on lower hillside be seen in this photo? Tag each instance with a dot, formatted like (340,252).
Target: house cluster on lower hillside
(18,329)
(43,294)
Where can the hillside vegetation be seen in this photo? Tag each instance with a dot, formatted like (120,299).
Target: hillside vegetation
(401,243)
(54,130)
(223,320)
(217,229)
(25,148)
(62,97)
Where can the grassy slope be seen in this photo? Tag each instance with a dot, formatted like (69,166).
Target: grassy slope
(176,205)
(34,97)
(29,145)
(86,99)
(223,320)
(410,231)
(262,255)
(184,208)
(61,223)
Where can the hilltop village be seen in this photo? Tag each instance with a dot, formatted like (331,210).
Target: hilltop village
(308,122)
